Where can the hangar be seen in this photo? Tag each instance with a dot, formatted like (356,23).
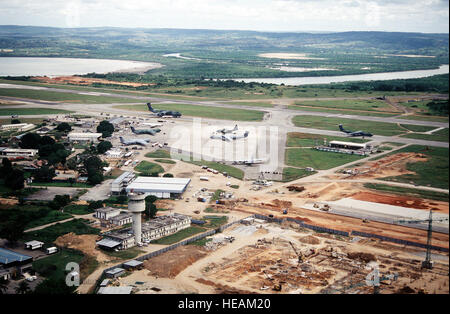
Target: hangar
(159,187)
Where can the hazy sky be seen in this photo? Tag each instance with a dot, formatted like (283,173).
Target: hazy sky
(271,15)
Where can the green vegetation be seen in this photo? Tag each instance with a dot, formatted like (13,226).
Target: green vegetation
(160,153)
(345,111)
(203,111)
(148,168)
(234,186)
(201,242)
(417,128)
(424,118)
(30,111)
(291,174)
(75,209)
(308,157)
(440,136)
(52,216)
(211,210)
(353,104)
(327,123)
(165,161)
(431,195)
(53,268)
(59,96)
(214,221)
(230,170)
(51,233)
(178,236)
(216,195)
(250,103)
(296,139)
(432,171)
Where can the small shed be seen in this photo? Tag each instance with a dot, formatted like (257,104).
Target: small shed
(104,283)
(114,273)
(133,264)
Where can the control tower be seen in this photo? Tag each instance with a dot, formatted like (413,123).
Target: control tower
(136,205)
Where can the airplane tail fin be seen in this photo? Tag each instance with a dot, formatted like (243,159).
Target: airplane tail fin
(121,139)
(133,129)
(149,106)
(342,128)
(246,133)
(235,128)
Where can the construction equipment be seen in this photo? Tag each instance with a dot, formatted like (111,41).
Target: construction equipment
(299,254)
(427,263)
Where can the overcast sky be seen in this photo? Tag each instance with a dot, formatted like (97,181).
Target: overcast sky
(428,16)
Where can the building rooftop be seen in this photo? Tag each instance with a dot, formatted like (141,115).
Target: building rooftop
(8,256)
(159,184)
(106,209)
(115,271)
(132,263)
(121,216)
(124,176)
(115,290)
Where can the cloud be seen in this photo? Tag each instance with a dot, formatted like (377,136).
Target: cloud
(276,15)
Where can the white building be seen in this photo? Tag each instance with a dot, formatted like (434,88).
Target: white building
(112,153)
(122,219)
(18,126)
(106,213)
(121,182)
(17,152)
(33,245)
(159,186)
(154,229)
(84,137)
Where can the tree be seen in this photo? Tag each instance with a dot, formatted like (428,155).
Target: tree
(15,179)
(23,288)
(95,204)
(95,177)
(59,201)
(150,207)
(106,128)
(64,127)
(15,121)
(72,163)
(44,174)
(103,147)
(93,163)
(30,140)
(168,175)
(6,167)
(13,229)
(46,140)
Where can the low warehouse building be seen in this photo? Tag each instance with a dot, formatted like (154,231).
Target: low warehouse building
(17,152)
(34,245)
(133,264)
(159,187)
(114,273)
(11,258)
(106,213)
(84,137)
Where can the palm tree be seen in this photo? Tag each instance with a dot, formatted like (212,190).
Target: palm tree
(23,288)
(3,286)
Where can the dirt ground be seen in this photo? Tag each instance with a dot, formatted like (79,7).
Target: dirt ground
(171,263)
(84,243)
(398,200)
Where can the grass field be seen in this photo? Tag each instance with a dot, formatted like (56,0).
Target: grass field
(204,111)
(296,139)
(30,111)
(327,123)
(440,136)
(50,234)
(214,221)
(146,167)
(125,254)
(425,118)
(431,195)
(308,157)
(250,103)
(433,172)
(291,174)
(165,161)
(232,171)
(354,104)
(53,268)
(417,128)
(60,96)
(345,111)
(78,209)
(160,153)
(50,217)
(180,235)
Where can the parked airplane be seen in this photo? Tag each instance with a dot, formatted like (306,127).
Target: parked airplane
(152,125)
(145,131)
(225,131)
(134,141)
(357,133)
(161,113)
(228,138)
(250,161)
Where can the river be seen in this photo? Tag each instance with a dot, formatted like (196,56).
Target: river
(31,66)
(443,69)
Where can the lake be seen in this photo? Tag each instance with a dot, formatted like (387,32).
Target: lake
(443,69)
(24,66)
